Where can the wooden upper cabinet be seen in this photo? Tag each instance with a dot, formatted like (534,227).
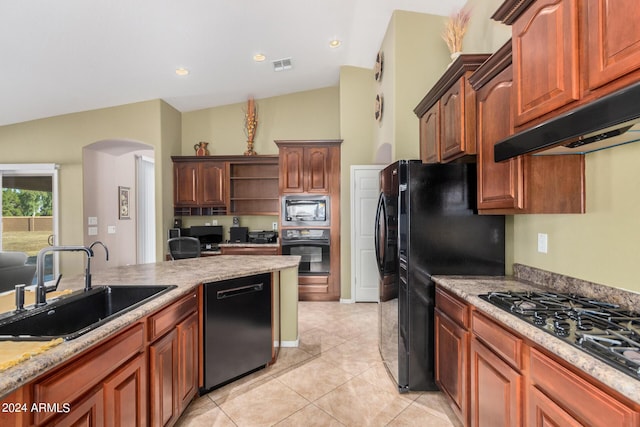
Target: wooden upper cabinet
(317,162)
(309,166)
(525,184)
(430,135)
(212,178)
(500,185)
(199,183)
(447,113)
(185,177)
(545,58)
(612,42)
(291,165)
(567,53)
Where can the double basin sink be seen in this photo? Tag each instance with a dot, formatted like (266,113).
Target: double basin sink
(71,316)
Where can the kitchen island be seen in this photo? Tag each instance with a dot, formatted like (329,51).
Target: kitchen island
(537,375)
(186,275)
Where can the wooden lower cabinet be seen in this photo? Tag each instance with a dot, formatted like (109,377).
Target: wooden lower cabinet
(452,344)
(125,392)
(89,412)
(512,382)
(496,389)
(248,250)
(173,361)
(144,375)
(557,396)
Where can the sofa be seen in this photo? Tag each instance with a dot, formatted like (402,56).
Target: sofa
(14,270)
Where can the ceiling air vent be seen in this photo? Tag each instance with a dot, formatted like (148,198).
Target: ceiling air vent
(282,64)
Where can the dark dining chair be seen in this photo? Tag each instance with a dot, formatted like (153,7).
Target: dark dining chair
(184,247)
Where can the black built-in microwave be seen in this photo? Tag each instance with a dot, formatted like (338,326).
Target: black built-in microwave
(306,210)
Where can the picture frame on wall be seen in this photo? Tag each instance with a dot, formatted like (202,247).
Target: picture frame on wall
(123,203)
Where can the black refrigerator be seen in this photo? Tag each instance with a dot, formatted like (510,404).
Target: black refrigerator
(426,224)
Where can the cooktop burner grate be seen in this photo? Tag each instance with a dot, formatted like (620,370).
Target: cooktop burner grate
(601,329)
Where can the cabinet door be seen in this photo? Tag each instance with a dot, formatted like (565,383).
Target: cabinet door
(451,360)
(545,412)
(500,185)
(163,366)
(187,332)
(317,169)
(125,395)
(452,122)
(291,169)
(430,135)
(612,40)
(185,179)
(496,389)
(211,184)
(545,58)
(89,412)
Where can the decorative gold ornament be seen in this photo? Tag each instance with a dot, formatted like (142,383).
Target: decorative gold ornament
(250,126)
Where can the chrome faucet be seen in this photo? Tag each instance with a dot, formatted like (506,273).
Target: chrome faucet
(41,292)
(87,281)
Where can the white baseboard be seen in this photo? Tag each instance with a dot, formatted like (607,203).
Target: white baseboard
(347,301)
(295,343)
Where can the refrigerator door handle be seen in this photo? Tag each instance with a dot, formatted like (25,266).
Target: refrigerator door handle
(380,214)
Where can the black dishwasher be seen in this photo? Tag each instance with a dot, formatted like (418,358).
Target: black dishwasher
(236,328)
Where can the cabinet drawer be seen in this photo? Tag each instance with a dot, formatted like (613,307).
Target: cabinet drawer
(69,383)
(508,346)
(166,319)
(455,309)
(593,407)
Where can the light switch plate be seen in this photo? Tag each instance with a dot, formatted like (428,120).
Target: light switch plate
(111,229)
(92,231)
(92,220)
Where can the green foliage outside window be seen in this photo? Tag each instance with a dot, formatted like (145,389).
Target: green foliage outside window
(17,202)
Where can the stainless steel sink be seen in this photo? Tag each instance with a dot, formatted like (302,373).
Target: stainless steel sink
(78,313)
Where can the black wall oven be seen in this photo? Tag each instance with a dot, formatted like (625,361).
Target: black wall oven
(313,247)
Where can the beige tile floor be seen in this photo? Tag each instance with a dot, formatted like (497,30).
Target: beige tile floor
(334,378)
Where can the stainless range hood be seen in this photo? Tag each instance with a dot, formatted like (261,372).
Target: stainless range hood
(603,123)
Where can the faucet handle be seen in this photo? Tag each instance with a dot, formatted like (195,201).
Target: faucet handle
(19,298)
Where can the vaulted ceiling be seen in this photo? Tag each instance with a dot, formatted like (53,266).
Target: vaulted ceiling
(67,56)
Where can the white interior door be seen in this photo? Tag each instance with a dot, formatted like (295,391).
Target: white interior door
(146,222)
(364,198)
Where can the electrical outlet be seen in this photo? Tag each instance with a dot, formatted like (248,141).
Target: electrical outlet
(214,222)
(542,243)
(274,226)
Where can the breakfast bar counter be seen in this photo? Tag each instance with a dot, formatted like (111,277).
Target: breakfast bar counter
(186,275)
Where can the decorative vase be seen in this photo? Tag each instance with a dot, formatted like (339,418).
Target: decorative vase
(250,151)
(455,55)
(201,148)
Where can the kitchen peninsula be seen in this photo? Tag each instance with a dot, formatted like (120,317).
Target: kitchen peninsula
(143,332)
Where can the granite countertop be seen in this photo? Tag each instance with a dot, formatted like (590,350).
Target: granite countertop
(186,274)
(468,288)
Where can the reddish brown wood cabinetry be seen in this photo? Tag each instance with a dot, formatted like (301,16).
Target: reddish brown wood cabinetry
(512,381)
(306,168)
(198,185)
(430,135)
(447,113)
(173,360)
(313,167)
(545,58)
(234,250)
(144,375)
(452,350)
(525,184)
(560,397)
(569,52)
(219,185)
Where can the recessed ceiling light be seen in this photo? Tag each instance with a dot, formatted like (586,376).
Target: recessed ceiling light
(335,43)
(259,57)
(182,71)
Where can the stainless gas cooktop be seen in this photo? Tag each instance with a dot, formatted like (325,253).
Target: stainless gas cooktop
(601,329)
